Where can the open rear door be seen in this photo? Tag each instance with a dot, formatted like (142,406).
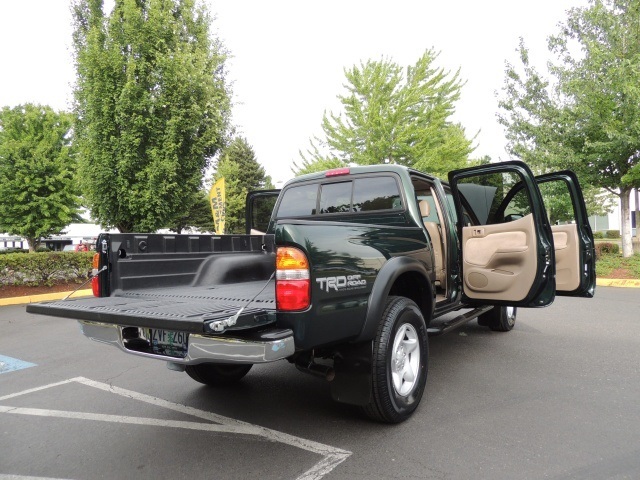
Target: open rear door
(572,236)
(507,255)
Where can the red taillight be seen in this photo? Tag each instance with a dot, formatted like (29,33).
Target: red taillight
(292,279)
(95,281)
(337,171)
(95,286)
(292,295)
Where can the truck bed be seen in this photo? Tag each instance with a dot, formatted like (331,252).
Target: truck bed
(194,309)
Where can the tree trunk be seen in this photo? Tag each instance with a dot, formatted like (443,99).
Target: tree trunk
(33,243)
(627,248)
(637,214)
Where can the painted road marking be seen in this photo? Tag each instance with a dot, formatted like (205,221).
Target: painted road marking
(332,456)
(611,282)
(23,477)
(9,364)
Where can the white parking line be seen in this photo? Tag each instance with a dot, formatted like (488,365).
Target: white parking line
(22,477)
(332,456)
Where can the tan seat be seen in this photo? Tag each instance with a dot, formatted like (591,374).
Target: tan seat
(436,241)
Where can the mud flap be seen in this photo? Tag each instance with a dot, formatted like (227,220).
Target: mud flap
(352,365)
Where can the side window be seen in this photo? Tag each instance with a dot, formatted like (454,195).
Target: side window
(487,196)
(558,202)
(335,197)
(261,208)
(299,201)
(517,208)
(376,193)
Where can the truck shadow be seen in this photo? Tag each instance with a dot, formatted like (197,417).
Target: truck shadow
(276,395)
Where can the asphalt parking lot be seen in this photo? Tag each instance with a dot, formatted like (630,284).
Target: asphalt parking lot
(558,397)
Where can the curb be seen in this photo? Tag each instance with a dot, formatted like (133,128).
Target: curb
(42,297)
(613,282)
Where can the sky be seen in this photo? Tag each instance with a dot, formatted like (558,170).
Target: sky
(288,58)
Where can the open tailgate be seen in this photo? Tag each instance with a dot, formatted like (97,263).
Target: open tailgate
(187,309)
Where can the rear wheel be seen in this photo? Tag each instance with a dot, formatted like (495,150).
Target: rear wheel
(217,374)
(499,319)
(399,364)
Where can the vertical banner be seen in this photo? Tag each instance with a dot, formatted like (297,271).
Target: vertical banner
(217,199)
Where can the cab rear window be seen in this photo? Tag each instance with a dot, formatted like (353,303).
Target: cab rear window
(376,193)
(299,201)
(359,195)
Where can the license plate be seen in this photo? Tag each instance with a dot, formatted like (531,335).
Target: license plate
(167,342)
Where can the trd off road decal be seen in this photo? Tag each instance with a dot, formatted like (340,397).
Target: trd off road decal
(341,283)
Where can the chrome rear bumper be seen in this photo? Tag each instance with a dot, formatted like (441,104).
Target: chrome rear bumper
(201,348)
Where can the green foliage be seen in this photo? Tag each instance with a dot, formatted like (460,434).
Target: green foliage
(598,235)
(7,251)
(604,248)
(153,108)
(395,115)
(610,264)
(612,234)
(37,188)
(44,268)
(317,165)
(198,216)
(588,117)
(242,174)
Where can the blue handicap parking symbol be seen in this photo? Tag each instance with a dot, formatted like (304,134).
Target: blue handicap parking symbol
(8,364)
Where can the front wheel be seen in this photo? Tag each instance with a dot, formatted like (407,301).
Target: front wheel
(217,374)
(400,361)
(499,319)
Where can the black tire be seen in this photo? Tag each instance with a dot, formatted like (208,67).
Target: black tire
(393,399)
(499,319)
(217,374)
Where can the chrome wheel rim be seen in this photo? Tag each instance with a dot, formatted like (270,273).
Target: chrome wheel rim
(405,360)
(510,313)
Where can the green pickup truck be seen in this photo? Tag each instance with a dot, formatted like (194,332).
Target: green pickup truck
(345,274)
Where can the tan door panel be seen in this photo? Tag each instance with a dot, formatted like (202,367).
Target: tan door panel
(565,244)
(499,260)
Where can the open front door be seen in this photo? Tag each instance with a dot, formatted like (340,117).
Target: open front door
(258,208)
(506,249)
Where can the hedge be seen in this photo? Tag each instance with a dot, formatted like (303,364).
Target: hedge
(612,234)
(44,268)
(598,235)
(606,247)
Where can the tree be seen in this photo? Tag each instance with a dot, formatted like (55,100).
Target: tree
(37,185)
(242,173)
(588,116)
(395,115)
(153,108)
(198,216)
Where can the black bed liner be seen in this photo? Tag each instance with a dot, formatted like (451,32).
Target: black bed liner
(187,308)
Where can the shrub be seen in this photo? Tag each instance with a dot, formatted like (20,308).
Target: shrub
(44,268)
(605,248)
(6,251)
(612,234)
(598,235)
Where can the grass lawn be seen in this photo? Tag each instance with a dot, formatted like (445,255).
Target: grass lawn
(616,266)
